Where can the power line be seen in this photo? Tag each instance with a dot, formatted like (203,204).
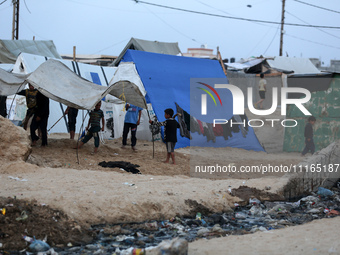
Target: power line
(111,46)
(230,17)
(225,11)
(3,2)
(316,28)
(193,39)
(303,39)
(277,30)
(317,6)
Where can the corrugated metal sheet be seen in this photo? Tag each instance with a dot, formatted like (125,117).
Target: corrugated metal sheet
(296,65)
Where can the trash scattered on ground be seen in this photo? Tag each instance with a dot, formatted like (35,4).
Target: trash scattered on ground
(162,237)
(21,220)
(122,239)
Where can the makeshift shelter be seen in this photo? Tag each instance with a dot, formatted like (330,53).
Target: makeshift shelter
(167,79)
(324,105)
(59,79)
(11,49)
(164,80)
(291,65)
(149,46)
(276,64)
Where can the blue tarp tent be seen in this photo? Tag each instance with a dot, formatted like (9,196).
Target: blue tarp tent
(167,78)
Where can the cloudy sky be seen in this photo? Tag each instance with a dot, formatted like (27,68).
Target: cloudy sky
(240,29)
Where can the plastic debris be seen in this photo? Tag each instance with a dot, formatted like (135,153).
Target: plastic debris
(129,184)
(333,213)
(17,179)
(38,246)
(325,192)
(23,216)
(253,201)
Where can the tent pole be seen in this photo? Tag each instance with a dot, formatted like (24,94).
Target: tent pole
(221,61)
(153,140)
(63,112)
(55,123)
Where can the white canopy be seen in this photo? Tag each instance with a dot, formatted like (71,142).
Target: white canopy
(10,83)
(56,81)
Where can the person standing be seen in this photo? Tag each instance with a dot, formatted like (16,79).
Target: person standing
(96,116)
(40,119)
(170,133)
(3,107)
(262,91)
(132,120)
(309,142)
(72,114)
(31,103)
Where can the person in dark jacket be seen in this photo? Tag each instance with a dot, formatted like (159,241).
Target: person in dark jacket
(3,108)
(170,133)
(309,143)
(40,119)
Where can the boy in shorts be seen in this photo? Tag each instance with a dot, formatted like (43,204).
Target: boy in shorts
(170,133)
(72,114)
(95,116)
(262,91)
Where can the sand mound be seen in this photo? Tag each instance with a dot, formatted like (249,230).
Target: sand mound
(14,142)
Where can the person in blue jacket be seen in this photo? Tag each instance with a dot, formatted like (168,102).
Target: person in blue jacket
(132,120)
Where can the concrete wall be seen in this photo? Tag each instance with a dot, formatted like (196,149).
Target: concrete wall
(325,106)
(327,161)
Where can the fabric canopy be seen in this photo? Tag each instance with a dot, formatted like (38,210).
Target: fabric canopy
(133,91)
(56,81)
(10,83)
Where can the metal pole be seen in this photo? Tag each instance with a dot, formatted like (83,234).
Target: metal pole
(15,24)
(74,53)
(282,25)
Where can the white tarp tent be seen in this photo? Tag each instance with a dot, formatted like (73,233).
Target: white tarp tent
(55,79)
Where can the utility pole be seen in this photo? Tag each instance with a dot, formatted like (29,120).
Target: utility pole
(282,24)
(15,27)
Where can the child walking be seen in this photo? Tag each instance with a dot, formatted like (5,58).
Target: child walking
(95,116)
(170,133)
(262,91)
(309,136)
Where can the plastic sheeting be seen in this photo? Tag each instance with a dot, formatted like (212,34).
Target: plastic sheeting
(11,49)
(166,79)
(10,83)
(58,82)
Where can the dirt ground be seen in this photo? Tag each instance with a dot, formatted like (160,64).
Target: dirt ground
(63,191)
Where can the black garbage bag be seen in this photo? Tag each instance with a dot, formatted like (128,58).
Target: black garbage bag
(127,166)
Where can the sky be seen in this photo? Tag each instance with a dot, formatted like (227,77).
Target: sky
(105,26)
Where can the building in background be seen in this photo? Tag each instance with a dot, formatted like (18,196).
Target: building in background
(202,52)
(333,67)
